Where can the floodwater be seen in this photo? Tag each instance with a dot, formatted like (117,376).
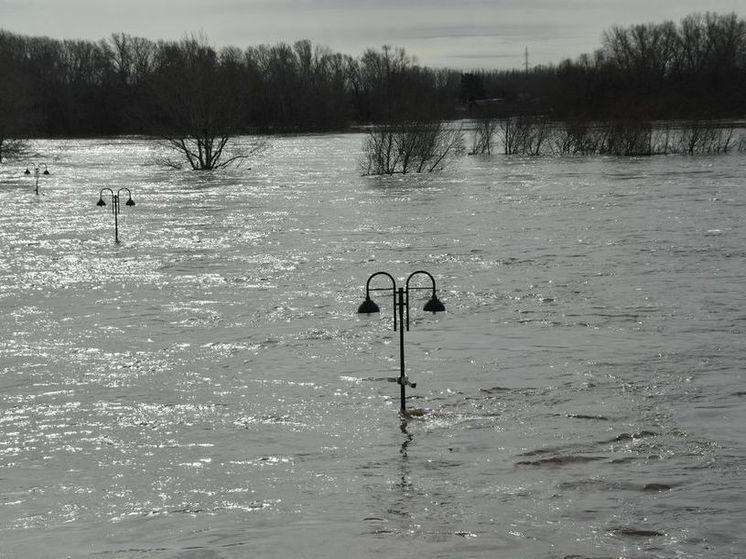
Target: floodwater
(205,387)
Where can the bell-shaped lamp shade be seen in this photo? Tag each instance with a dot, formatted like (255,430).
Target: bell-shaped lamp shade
(100,202)
(434,305)
(27,172)
(130,202)
(368,307)
(46,171)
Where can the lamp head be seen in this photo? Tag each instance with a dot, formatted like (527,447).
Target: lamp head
(368,306)
(100,202)
(434,305)
(46,171)
(130,202)
(27,172)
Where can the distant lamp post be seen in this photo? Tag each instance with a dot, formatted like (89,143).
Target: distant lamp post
(115,206)
(37,172)
(401,302)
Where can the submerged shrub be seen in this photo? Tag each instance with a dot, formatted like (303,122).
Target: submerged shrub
(699,137)
(621,138)
(525,135)
(627,138)
(484,135)
(412,147)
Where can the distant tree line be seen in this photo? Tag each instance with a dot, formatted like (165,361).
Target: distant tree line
(131,85)
(693,70)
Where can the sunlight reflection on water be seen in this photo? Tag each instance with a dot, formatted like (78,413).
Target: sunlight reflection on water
(206,387)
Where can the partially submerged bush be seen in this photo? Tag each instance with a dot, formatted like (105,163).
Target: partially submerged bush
(536,136)
(525,135)
(412,147)
(627,138)
(484,135)
(703,137)
(13,148)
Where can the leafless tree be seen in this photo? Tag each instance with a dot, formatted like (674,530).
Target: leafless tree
(699,137)
(525,135)
(484,135)
(197,110)
(13,127)
(13,148)
(15,116)
(413,147)
(130,58)
(741,144)
(576,137)
(627,138)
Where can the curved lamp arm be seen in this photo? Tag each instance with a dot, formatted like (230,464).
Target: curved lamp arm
(369,306)
(428,274)
(130,201)
(101,196)
(434,304)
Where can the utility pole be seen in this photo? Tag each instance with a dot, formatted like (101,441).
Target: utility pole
(525,63)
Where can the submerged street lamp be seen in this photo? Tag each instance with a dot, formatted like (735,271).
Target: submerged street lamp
(115,206)
(37,172)
(401,302)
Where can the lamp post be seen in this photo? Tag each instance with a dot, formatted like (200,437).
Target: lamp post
(115,206)
(37,172)
(401,304)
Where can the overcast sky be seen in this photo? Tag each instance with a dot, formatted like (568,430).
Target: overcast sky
(463,34)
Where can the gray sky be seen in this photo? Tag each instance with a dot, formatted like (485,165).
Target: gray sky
(463,34)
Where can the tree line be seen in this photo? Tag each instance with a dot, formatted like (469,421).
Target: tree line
(124,84)
(189,89)
(692,70)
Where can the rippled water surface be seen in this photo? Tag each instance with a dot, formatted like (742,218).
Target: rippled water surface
(205,388)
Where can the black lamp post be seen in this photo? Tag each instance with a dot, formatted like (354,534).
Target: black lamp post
(401,302)
(37,172)
(115,206)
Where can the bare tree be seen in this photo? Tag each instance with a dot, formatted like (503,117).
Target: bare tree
(706,137)
(14,123)
(484,135)
(13,148)
(413,147)
(576,137)
(15,116)
(197,109)
(525,135)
